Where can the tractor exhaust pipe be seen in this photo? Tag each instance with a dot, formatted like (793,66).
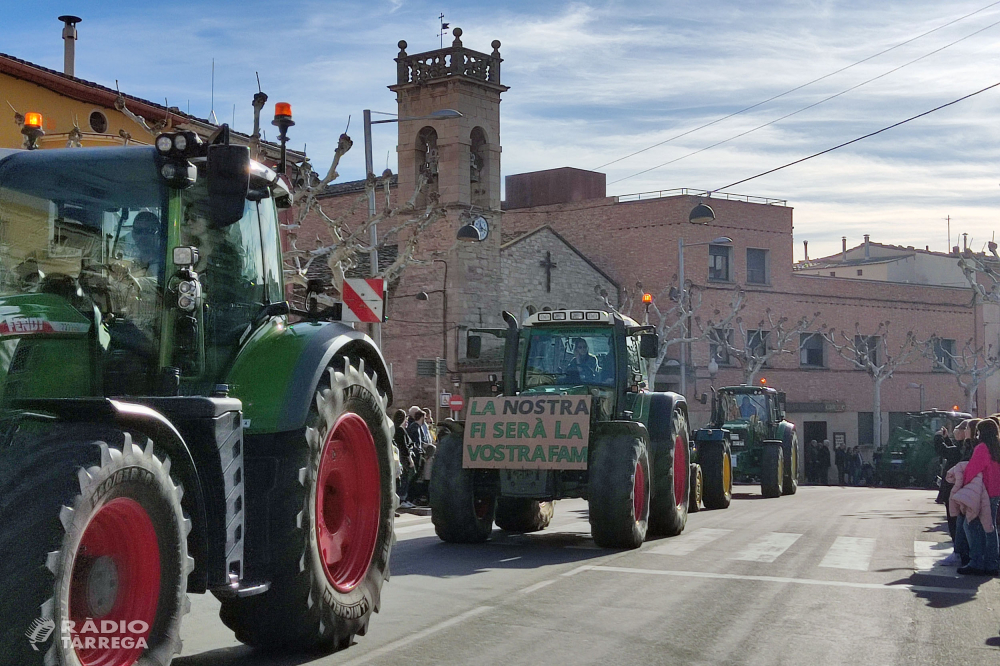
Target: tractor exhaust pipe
(69,43)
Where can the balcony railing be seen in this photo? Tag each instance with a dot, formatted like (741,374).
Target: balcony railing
(455,60)
(681,191)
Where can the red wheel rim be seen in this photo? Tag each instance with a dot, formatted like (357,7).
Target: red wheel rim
(681,471)
(115,585)
(481,507)
(639,492)
(348,502)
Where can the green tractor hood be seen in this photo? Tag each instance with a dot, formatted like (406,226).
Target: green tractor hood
(40,314)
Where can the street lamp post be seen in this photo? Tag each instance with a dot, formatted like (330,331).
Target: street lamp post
(423,296)
(914,385)
(443,114)
(721,240)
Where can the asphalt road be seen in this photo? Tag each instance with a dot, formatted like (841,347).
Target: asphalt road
(828,576)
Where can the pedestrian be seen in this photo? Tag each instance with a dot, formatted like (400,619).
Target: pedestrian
(953,479)
(858,463)
(984,548)
(405,447)
(811,461)
(421,438)
(841,462)
(949,454)
(430,447)
(824,462)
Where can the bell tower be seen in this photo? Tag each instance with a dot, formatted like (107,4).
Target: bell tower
(460,157)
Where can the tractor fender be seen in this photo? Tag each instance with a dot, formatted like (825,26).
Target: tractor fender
(129,416)
(631,428)
(277,371)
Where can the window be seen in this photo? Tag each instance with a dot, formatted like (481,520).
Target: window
(757,343)
(944,354)
(866,428)
(811,350)
(833,273)
(719,264)
(716,348)
(757,272)
(98,122)
(860,272)
(867,349)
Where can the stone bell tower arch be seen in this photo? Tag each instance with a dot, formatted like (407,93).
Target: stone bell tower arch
(461,158)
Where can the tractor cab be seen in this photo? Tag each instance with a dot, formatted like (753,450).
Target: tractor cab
(743,410)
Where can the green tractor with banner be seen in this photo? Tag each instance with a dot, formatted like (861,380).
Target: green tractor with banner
(574,419)
(164,428)
(750,440)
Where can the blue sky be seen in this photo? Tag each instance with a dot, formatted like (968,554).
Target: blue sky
(592,82)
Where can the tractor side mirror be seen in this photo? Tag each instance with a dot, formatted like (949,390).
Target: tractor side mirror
(473,346)
(228,183)
(781,404)
(703,399)
(649,345)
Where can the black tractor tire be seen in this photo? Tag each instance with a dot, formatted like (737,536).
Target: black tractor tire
(85,511)
(717,470)
(697,485)
(619,491)
(309,606)
(522,514)
(668,513)
(772,470)
(790,452)
(462,512)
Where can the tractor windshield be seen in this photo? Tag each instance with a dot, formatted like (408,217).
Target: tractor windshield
(81,247)
(742,407)
(570,356)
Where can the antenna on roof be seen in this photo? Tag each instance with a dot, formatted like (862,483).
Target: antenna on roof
(211,116)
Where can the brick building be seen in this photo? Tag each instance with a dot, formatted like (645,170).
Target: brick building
(564,240)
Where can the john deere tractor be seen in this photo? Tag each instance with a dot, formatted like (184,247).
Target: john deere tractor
(574,420)
(749,439)
(164,428)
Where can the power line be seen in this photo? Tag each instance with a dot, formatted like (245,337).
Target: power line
(796,88)
(809,106)
(847,143)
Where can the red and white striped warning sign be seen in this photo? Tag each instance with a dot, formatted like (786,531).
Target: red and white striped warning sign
(364,300)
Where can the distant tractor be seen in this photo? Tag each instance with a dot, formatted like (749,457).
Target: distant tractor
(910,457)
(574,420)
(748,439)
(164,427)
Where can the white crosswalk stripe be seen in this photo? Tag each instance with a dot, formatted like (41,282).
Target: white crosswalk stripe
(927,556)
(768,548)
(849,553)
(689,541)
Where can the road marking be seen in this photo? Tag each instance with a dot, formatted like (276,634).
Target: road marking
(849,553)
(573,572)
(927,556)
(407,529)
(777,579)
(412,638)
(537,586)
(768,548)
(511,559)
(409,518)
(687,543)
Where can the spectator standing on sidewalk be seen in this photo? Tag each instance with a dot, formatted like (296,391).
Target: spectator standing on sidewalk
(824,462)
(406,458)
(984,548)
(839,459)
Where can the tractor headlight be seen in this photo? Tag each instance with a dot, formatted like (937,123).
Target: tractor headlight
(164,144)
(180,142)
(185,302)
(169,171)
(186,287)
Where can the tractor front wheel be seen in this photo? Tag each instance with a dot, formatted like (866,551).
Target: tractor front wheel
(522,514)
(619,491)
(697,488)
(717,468)
(95,551)
(462,511)
(772,470)
(332,519)
(790,451)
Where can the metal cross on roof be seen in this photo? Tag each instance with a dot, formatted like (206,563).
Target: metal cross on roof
(548,265)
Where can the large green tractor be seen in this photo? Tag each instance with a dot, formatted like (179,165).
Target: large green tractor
(748,439)
(574,420)
(164,428)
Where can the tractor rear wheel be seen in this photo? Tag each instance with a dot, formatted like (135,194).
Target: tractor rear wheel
(461,510)
(697,488)
(671,479)
(790,451)
(93,533)
(619,491)
(332,523)
(717,468)
(522,514)
(772,470)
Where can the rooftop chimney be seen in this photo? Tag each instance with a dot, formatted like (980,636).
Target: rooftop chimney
(69,43)
(867,255)
(805,249)
(843,240)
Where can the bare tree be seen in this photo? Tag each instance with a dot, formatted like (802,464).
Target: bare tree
(970,366)
(973,265)
(871,352)
(753,348)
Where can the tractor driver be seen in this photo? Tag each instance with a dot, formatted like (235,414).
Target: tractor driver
(583,366)
(749,408)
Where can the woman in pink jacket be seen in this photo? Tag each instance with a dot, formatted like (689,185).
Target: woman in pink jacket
(984,548)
